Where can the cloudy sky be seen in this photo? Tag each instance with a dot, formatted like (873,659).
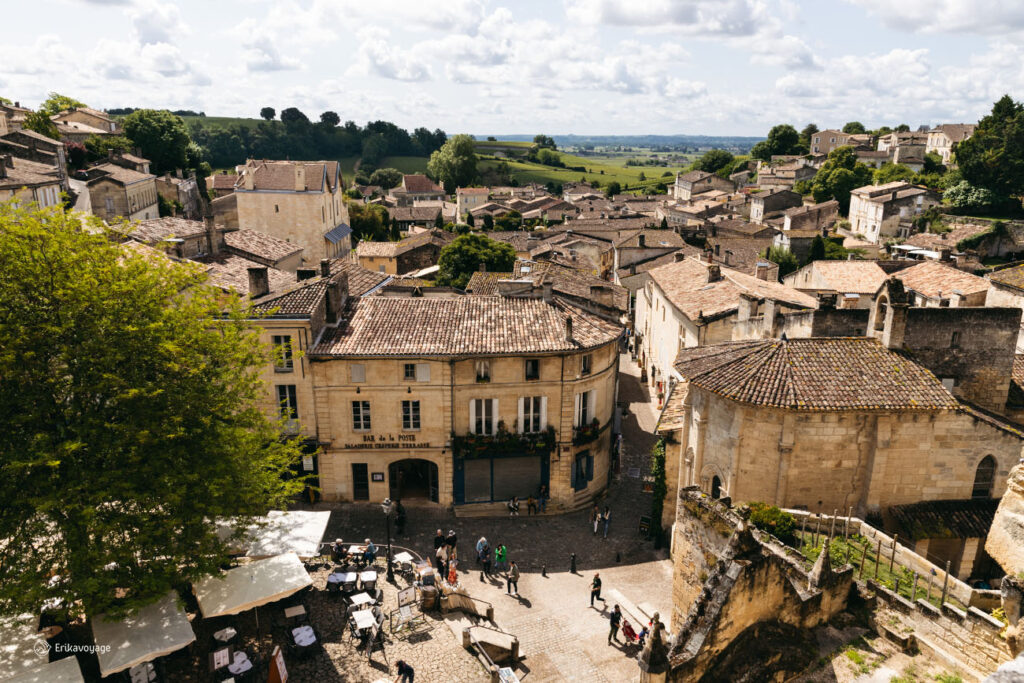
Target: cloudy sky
(553,66)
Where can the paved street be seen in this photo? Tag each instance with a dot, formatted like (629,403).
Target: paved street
(562,637)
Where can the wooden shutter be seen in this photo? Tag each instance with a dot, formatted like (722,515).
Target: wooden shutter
(592,404)
(590,467)
(422,372)
(358,372)
(543,412)
(522,416)
(472,416)
(576,410)
(494,416)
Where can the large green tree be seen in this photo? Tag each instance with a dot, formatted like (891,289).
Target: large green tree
(130,396)
(838,176)
(713,160)
(460,259)
(784,258)
(455,163)
(40,123)
(854,128)
(782,139)
(993,157)
(55,103)
(161,135)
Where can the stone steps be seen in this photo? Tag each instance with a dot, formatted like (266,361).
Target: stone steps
(630,611)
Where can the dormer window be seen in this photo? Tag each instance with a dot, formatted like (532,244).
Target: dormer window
(483,371)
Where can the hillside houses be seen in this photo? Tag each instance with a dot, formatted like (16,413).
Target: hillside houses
(878,212)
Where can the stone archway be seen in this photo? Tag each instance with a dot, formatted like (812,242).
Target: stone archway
(413,479)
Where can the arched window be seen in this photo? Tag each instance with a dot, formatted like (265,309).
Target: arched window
(984,478)
(716,487)
(881,308)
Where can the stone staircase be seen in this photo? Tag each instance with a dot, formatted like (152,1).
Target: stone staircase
(638,615)
(502,648)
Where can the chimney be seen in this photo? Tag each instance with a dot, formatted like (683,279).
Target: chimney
(641,240)
(337,295)
(212,241)
(568,328)
(748,306)
(546,287)
(247,175)
(111,155)
(826,301)
(895,325)
(300,177)
(482,267)
(259,282)
(17,104)
(305,274)
(762,271)
(714,273)
(679,256)
(325,267)
(945,254)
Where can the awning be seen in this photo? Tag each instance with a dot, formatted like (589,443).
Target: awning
(62,671)
(251,585)
(18,637)
(284,531)
(154,631)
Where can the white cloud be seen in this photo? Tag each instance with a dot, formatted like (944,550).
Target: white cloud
(704,17)
(156,22)
(377,54)
(985,17)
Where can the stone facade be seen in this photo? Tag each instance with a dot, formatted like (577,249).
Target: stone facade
(881,211)
(689,184)
(112,199)
(764,206)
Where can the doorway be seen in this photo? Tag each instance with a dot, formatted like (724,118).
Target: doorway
(413,479)
(716,487)
(360,482)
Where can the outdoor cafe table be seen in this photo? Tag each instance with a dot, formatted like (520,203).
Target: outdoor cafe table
(367,576)
(342,577)
(241,664)
(225,635)
(403,557)
(364,619)
(361,599)
(304,636)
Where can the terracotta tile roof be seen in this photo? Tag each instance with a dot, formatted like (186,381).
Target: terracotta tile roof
(932,241)
(933,279)
(422,214)
(740,253)
(370,249)
(599,225)
(957,132)
(1010,277)
(134,159)
(229,271)
(28,174)
(119,174)
(223,181)
(694,176)
(686,285)
(739,227)
(969,518)
(280,175)
(467,325)
(260,245)
(654,239)
(485,283)
(420,184)
(673,415)
(473,191)
(360,280)
(160,229)
(519,239)
(850,277)
(302,298)
(664,259)
(832,373)
(438,238)
(78,128)
(569,281)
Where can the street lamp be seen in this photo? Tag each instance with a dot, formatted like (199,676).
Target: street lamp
(386,507)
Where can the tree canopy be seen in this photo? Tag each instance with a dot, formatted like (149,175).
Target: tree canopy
(267,113)
(55,103)
(545,141)
(805,135)
(330,119)
(782,139)
(838,176)
(854,128)
(161,135)
(784,258)
(713,160)
(293,115)
(993,157)
(40,123)
(612,189)
(455,163)
(130,394)
(890,172)
(386,178)
(460,259)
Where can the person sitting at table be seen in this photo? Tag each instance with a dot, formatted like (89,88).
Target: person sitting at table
(370,554)
(513,506)
(338,551)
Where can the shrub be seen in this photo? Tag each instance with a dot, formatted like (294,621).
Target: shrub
(771,519)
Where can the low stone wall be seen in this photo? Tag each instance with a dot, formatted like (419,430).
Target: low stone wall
(905,557)
(969,637)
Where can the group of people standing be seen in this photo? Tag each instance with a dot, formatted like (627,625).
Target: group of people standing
(446,555)
(501,563)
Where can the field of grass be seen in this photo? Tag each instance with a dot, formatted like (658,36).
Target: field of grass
(221,121)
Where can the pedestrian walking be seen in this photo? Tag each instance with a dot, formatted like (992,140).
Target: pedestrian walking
(405,672)
(607,516)
(482,549)
(542,498)
(441,559)
(512,581)
(616,619)
(487,563)
(499,557)
(513,506)
(595,589)
(531,506)
(595,517)
(438,540)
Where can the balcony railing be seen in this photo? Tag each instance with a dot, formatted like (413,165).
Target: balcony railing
(586,433)
(503,443)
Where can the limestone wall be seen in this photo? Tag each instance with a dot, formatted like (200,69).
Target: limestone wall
(1006,538)
(699,537)
(969,637)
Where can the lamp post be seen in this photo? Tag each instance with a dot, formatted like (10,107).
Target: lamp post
(386,507)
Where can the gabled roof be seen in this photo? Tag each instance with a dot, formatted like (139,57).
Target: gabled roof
(260,245)
(118,174)
(160,229)
(849,277)
(1009,277)
(482,283)
(419,183)
(280,175)
(465,325)
(653,239)
(27,173)
(569,281)
(685,284)
(694,176)
(230,271)
(823,374)
(934,279)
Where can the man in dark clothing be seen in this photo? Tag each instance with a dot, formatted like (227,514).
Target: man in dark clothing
(616,619)
(595,589)
(405,672)
(399,518)
(512,580)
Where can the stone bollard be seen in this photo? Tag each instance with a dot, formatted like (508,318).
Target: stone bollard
(466,640)
(515,651)
(572,563)
(490,613)
(544,570)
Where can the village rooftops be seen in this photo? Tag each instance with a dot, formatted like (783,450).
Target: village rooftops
(301,298)
(1009,277)
(694,176)
(936,280)
(231,272)
(393,249)
(259,245)
(159,229)
(281,176)
(17,173)
(118,174)
(571,282)
(473,191)
(78,128)
(957,132)
(418,184)
(222,181)
(897,189)
(692,288)
(816,374)
(652,239)
(485,283)
(462,326)
(848,277)
(967,518)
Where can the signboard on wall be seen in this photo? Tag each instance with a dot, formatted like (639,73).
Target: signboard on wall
(278,673)
(377,476)
(389,441)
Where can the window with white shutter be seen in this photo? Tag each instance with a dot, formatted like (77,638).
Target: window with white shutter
(358,372)
(531,414)
(483,416)
(422,372)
